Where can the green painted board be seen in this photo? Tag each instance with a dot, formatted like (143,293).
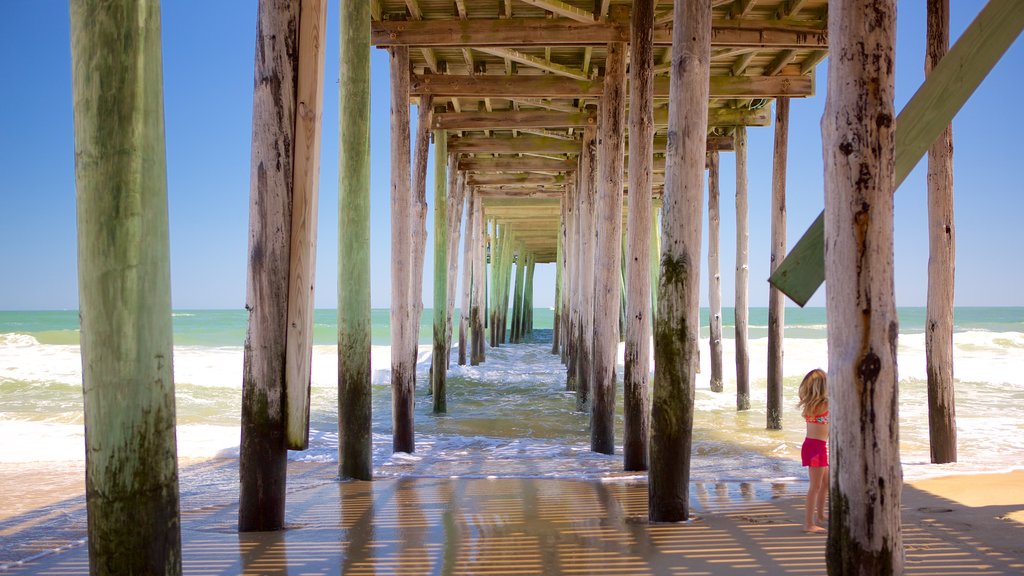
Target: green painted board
(920,122)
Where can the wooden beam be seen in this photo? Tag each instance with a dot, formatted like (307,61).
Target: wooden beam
(780,62)
(509,145)
(517,87)
(742,62)
(478,33)
(563,9)
(535,62)
(507,120)
(516,164)
(124,288)
(521,178)
(920,122)
(812,60)
(355,447)
(741,8)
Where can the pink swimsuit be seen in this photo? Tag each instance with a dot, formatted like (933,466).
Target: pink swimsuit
(815,452)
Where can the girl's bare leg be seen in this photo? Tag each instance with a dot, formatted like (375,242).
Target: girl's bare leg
(822,510)
(817,476)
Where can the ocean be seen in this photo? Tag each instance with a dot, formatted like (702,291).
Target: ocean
(511,416)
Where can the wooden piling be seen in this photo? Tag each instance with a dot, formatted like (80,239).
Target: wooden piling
(858,137)
(355,449)
(941,261)
(262,452)
(678,325)
(714,273)
(568,205)
(559,247)
(417,227)
(531,264)
(403,330)
(479,296)
(517,297)
(468,251)
(585,232)
(305,198)
(456,203)
(636,403)
(741,311)
(131,468)
(776,300)
(438,361)
(655,259)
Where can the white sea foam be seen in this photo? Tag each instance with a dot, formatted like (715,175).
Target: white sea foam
(511,414)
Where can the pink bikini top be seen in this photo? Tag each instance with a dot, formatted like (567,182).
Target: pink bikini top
(819,419)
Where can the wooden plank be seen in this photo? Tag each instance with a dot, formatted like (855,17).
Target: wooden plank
(858,140)
(563,9)
(403,339)
(263,453)
(551,86)
(131,466)
(355,449)
(636,402)
(305,196)
(676,330)
(483,32)
(920,122)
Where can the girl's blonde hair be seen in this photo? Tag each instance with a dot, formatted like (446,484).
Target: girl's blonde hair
(813,393)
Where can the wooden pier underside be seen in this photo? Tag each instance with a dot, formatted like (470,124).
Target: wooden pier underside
(513,84)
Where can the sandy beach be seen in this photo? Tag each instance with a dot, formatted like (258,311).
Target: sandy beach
(951,525)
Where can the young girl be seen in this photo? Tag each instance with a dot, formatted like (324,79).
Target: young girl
(814,404)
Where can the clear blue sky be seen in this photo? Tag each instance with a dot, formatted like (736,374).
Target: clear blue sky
(208,69)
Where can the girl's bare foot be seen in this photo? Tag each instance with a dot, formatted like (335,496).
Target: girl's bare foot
(821,520)
(814,530)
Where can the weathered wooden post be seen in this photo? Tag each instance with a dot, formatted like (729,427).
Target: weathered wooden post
(456,202)
(517,297)
(858,131)
(495,253)
(678,325)
(741,310)
(655,259)
(468,250)
(418,225)
(403,330)
(714,274)
(941,262)
(559,247)
(263,452)
(585,230)
(438,360)
(355,458)
(636,403)
(569,214)
(124,289)
(507,286)
(479,296)
(531,265)
(776,302)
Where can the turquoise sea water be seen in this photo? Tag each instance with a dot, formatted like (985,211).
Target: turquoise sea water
(511,415)
(227,327)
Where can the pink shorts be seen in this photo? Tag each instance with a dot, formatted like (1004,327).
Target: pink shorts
(814,452)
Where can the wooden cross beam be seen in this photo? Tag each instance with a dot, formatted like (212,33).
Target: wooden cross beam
(519,119)
(523,179)
(503,32)
(920,122)
(545,145)
(550,86)
(516,164)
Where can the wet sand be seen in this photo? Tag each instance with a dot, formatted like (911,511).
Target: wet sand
(529,526)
